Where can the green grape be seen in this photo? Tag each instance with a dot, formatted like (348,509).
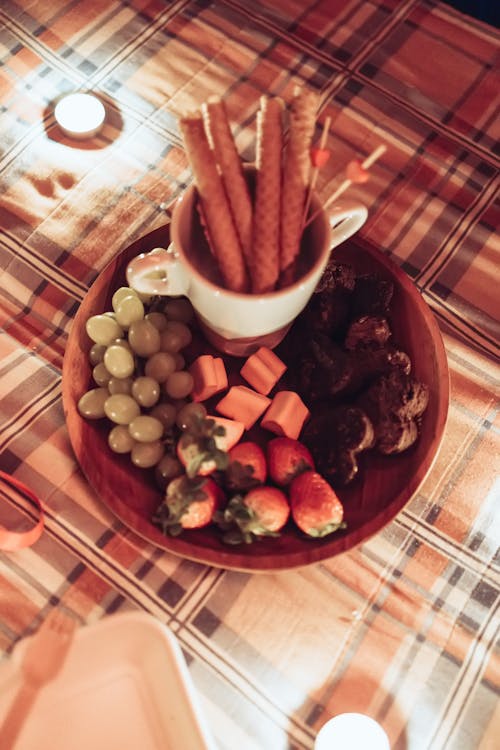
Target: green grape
(91,404)
(119,361)
(188,413)
(168,468)
(121,408)
(128,310)
(145,429)
(120,440)
(171,341)
(121,342)
(100,374)
(158,319)
(120,385)
(160,365)
(147,455)
(158,337)
(96,354)
(146,391)
(165,413)
(121,292)
(179,309)
(179,384)
(181,330)
(144,338)
(102,329)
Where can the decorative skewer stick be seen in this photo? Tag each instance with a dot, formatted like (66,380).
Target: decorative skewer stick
(366,164)
(322,156)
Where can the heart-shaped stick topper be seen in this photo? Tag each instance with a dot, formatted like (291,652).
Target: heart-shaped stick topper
(355,172)
(319,156)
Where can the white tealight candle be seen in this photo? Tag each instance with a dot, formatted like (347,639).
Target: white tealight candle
(351,732)
(80,115)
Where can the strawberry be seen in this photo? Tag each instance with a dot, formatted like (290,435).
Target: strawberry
(287,458)
(247,466)
(316,508)
(203,446)
(189,503)
(263,511)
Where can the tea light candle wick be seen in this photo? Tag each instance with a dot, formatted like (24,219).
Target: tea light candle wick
(80,115)
(349,731)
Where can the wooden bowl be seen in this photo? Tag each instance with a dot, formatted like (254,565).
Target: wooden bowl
(386,483)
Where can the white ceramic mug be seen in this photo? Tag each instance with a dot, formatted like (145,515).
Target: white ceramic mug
(238,323)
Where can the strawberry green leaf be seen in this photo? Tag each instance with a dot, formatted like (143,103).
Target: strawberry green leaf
(233,536)
(241,476)
(245,519)
(175,529)
(328,528)
(181,493)
(196,463)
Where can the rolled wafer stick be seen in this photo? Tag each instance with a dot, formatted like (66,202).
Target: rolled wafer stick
(266,223)
(228,159)
(366,164)
(296,169)
(222,232)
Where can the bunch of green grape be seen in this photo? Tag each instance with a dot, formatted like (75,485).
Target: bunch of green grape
(142,386)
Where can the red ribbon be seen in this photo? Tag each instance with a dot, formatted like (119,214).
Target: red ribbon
(14,540)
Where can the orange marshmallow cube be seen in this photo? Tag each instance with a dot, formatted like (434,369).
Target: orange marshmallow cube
(209,376)
(286,415)
(243,404)
(263,369)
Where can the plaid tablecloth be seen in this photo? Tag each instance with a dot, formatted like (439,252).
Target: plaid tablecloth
(404,627)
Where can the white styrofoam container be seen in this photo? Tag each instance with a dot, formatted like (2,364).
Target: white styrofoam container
(124,686)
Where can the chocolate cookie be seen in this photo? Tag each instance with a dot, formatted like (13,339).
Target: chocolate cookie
(372,295)
(395,402)
(367,332)
(336,438)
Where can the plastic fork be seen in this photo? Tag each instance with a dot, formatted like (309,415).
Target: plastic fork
(42,661)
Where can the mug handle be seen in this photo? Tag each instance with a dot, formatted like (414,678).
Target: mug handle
(345,220)
(157,272)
